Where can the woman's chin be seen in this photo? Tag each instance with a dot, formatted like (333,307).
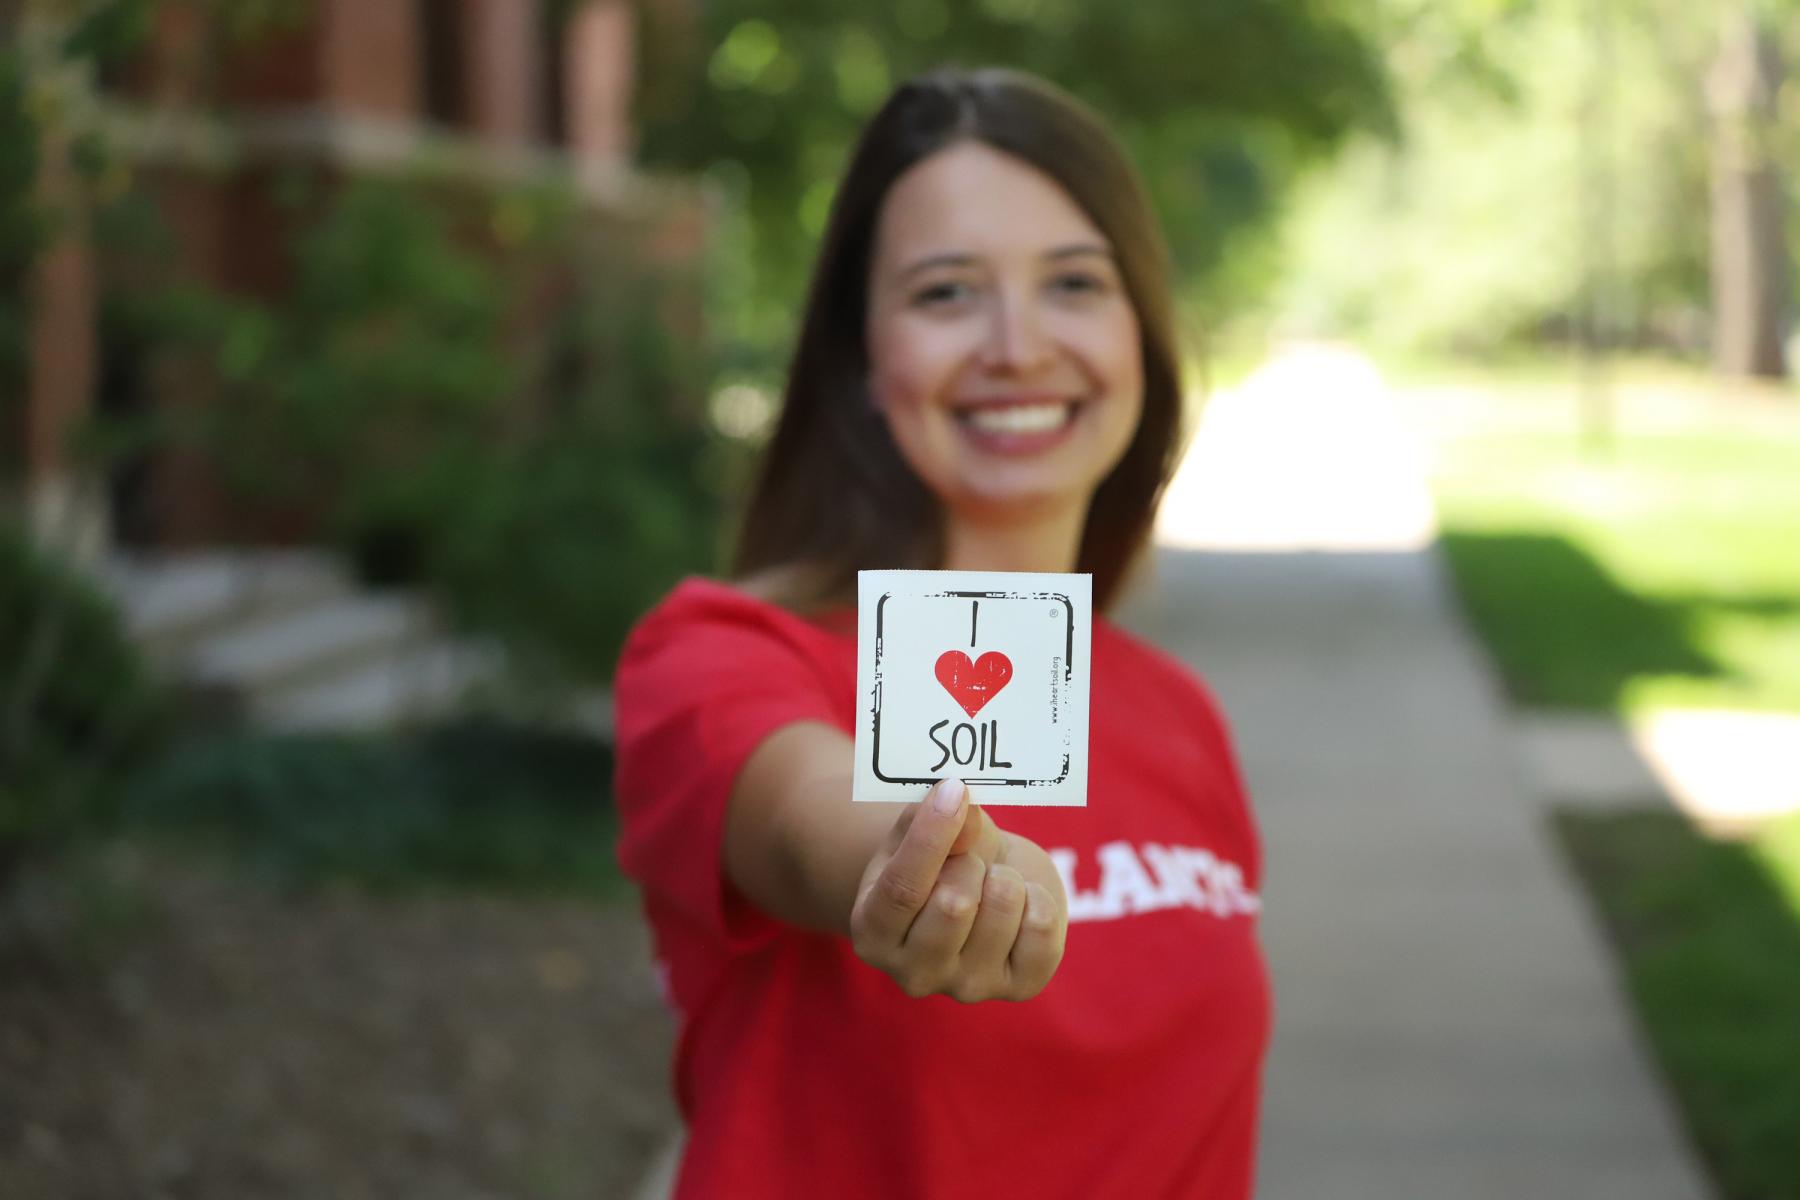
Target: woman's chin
(991,500)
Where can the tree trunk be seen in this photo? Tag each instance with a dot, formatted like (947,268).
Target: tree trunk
(1749,252)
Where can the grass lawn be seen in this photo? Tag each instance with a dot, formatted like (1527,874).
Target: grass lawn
(1709,937)
(1662,573)
(1661,570)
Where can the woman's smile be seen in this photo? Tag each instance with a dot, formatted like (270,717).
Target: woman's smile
(1018,426)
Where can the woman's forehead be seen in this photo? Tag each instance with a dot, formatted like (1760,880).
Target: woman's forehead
(972,201)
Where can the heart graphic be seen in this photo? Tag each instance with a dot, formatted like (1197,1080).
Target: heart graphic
(973,684)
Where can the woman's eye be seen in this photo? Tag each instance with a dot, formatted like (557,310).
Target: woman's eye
(938,292)
(1079,282)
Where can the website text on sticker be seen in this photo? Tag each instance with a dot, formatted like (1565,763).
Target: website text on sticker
(978,674)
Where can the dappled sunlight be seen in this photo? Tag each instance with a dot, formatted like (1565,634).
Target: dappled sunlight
(1728,771)
(1725,769)
(1308,453)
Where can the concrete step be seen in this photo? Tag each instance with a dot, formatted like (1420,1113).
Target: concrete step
(171,601)
(267,655)
(421,681)
(290,640)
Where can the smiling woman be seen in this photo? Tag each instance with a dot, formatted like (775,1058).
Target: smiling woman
(985,379)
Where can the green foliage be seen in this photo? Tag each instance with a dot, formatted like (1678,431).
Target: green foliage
(1708,933)
(507,424)
(1554,160)
(473,805)
(76,703)
(104,31)
(556,527)
(767,98)
(111,31)
(558,547)
(386,343)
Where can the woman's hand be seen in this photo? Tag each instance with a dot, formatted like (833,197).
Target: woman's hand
(951,904)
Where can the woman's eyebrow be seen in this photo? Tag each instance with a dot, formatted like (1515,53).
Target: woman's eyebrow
(1079,248)
(963,260)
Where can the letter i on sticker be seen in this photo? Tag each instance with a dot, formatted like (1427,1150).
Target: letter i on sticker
(981,675)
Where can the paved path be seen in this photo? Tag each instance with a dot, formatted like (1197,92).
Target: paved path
(1448,1019)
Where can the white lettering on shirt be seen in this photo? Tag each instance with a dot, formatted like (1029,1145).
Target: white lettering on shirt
(1152,877)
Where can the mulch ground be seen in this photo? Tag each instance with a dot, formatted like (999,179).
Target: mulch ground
(171,1030)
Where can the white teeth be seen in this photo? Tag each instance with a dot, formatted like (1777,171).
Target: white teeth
(1032,418)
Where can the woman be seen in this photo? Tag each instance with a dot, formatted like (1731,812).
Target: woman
(986,378)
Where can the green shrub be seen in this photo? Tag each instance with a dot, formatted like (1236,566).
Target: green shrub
(469,805)
(557,540)
(77,706)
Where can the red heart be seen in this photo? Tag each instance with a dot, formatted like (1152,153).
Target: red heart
(973,684)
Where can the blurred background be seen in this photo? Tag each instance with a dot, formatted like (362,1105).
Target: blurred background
(368,366)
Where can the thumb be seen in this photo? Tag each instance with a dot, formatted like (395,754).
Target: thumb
(937,820)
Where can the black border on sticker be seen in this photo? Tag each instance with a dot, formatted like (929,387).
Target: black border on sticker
(875,699)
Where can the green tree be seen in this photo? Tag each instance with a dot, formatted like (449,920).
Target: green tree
(1221,104)
(1550,179)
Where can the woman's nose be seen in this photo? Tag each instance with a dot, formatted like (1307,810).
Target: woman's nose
(1015,336)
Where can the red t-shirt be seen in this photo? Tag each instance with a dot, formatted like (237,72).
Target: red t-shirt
(802,1071)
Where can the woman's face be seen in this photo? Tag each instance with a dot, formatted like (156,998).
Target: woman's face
(1004,353)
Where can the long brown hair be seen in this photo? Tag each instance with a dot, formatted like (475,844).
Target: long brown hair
(833,495)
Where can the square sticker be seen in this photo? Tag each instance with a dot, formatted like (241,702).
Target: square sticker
(978,674)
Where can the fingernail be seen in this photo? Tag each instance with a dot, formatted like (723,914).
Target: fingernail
(947,796)
(1037,906)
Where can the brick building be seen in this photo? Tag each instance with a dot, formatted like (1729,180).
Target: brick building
(502,91)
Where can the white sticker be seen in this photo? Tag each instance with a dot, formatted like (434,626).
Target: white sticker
(978,674)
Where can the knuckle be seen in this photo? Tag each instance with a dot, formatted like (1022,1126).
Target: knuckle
(1005,891)
(1042,914)
(900,893)
(953,902)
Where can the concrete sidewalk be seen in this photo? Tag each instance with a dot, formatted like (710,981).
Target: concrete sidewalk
(1449,1023)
